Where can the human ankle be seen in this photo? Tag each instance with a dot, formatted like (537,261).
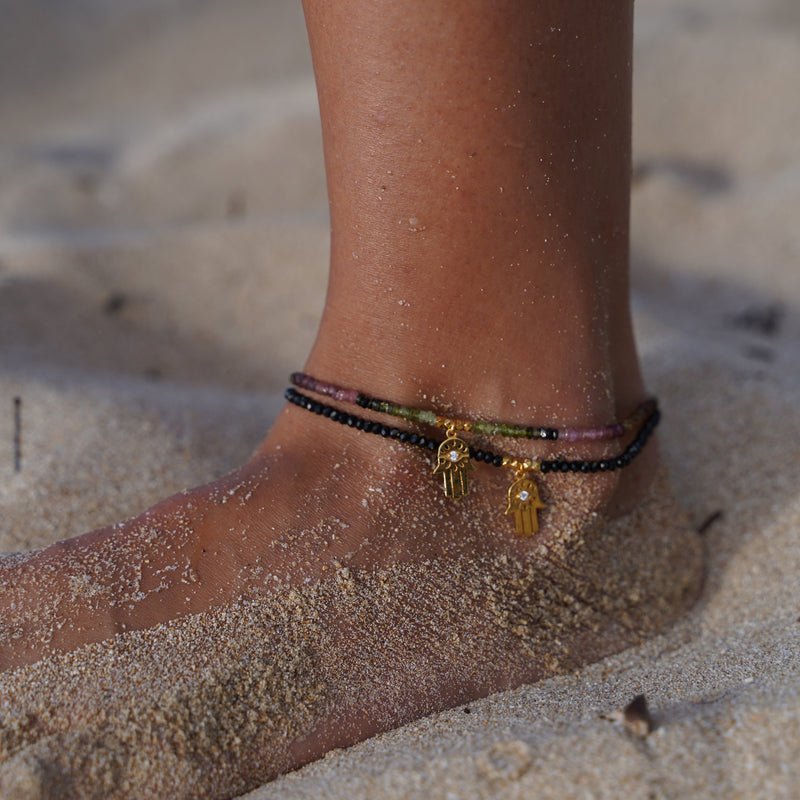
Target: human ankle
(535,388)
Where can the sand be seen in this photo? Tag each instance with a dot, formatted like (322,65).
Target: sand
(156,289)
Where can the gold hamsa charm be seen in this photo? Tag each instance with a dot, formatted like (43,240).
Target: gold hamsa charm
(524,503)
(453,463)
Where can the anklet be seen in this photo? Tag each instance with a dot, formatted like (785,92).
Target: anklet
(614,430)
(523,494)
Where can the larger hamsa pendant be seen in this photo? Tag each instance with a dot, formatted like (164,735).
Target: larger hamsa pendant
(524,503)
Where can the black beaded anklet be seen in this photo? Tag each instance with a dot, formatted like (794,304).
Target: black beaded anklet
(523,495)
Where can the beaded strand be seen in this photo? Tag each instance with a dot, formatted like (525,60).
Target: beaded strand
(614,430)
(483,456)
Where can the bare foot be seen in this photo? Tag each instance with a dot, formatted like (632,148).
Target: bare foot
(324,592)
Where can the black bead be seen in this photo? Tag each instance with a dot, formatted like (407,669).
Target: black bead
(564,466)
(421,442)
(360,424)
(394,433)
(383,431)
(477,454)
(362,400)
(602,465)
(413,438)
(404,436)
(317,408)
(334,415)
(544,467)
(497,461)
(432,444)
(552,433)
(575,466)
(593,466)
(488,457)
(326,412)
(584,466)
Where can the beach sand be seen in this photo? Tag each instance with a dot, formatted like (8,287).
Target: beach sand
(163,249)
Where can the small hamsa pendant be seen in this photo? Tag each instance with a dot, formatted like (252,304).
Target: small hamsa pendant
(524,503)
(453,463)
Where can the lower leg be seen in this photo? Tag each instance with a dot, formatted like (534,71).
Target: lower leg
(478,170)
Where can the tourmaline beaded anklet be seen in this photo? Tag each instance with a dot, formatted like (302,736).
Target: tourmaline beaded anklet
(615,430)
(454,456)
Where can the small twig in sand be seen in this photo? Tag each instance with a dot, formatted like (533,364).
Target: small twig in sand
(17,434)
